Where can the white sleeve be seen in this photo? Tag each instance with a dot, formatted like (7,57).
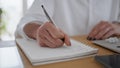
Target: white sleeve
(119,13)
(35,13)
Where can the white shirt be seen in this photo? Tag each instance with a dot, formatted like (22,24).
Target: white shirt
(75,17)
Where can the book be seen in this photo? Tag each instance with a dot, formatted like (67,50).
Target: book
(38,55)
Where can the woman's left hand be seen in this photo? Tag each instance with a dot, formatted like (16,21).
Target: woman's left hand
(104,30)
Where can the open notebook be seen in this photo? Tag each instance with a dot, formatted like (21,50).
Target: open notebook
(43,55)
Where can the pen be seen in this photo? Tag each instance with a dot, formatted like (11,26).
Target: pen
(50,19)
(47,15)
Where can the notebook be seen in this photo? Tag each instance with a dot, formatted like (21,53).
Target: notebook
(38,55)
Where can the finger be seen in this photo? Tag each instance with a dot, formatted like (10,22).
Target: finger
(59,42)
(103,32)
(48,37)
(66,39)
(44,35)
(40,38)
(49,44)
(53,30)
(110,33)
(43,40)
(45,43)
(101,26)
(95,30)
(41,43)
(56,42)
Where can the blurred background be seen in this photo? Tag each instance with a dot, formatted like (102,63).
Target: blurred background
(11,12)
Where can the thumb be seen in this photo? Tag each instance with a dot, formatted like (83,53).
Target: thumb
(66,39)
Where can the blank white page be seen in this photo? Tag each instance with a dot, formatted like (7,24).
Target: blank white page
(36,53)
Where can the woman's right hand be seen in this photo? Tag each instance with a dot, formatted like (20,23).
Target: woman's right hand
(48,35)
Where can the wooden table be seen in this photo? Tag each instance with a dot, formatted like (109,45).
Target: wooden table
(88,62)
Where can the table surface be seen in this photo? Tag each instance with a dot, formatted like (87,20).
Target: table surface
(88,62)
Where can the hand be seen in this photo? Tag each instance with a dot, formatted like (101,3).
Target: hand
(104,30)
(48,35)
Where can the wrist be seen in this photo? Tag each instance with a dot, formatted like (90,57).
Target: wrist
(34,33)
(30,30)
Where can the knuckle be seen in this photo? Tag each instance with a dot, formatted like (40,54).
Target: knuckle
(40,30)
(41,43)
(40,34)
(47,24)
(60,36)
(61,44)
(55,37)
(44,25)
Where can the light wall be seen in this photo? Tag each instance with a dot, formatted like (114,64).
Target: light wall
(13,11)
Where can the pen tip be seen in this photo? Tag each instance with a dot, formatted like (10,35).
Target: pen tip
(41,5)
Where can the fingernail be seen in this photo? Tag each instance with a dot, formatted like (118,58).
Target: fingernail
(69,43)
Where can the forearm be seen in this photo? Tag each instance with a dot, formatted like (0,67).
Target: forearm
(30,29)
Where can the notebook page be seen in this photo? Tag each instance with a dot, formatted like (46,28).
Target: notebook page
(35,53)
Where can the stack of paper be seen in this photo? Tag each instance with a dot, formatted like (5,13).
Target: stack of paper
(43,55)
